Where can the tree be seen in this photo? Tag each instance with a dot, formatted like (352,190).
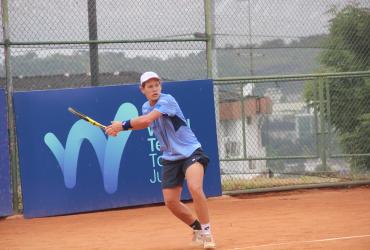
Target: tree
(348,50)
(275,43)
(349,40)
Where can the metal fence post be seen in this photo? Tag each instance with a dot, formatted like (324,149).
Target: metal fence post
(9,95)
(316,116)
(322,125)
(93,36)
(243,123)
(328,114)
(208,14)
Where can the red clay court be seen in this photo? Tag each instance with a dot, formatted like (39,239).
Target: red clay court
(305,219)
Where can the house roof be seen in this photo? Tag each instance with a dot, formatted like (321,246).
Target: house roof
(253,106)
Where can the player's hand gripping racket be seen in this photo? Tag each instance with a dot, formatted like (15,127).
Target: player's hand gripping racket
(86,118)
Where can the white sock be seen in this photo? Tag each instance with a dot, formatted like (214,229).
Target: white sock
(206,229)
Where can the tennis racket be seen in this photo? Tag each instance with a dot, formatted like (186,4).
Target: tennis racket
(86,118)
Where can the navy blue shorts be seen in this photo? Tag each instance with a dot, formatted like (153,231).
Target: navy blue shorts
(173,172)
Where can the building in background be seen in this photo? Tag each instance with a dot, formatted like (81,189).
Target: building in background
(231,144)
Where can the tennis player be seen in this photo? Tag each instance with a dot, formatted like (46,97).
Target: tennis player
(182,158)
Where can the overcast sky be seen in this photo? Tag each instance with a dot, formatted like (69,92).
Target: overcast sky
(43,20)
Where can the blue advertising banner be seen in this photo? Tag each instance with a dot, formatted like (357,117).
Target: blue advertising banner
(69,166)
(6,207)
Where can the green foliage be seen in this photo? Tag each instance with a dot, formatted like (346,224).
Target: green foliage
(349,40)
(358,142)
(348,50)
(276,43)
(308,91)
(276,147)
(314,41)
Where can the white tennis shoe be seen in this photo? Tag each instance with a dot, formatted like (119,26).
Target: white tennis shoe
(197,238)
(208,242)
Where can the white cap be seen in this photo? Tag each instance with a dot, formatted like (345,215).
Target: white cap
(148,75)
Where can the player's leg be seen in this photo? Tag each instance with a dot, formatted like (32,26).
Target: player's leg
(181,211)
(194,178)
(172,181)
(174,204)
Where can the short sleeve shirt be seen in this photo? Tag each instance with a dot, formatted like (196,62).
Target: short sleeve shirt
(176,139)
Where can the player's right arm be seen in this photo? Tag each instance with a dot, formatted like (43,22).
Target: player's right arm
(140,122)
(144,121)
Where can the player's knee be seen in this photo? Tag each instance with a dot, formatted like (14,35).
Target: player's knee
(171,203)
(196,190)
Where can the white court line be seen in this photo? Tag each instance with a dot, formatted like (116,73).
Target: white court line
(302,242)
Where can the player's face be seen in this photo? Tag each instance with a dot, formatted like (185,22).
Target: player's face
(152,90)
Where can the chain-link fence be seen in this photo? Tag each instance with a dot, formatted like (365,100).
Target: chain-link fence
(272,131)
(263,37)
(92,42)
(87,39)
(289,132)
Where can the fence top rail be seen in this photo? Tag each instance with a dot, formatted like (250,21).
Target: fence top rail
(153,40)
(299,77)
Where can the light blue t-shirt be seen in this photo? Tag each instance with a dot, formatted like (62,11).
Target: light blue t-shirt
(176,139)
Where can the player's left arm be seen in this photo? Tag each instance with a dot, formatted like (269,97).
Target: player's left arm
(140,122)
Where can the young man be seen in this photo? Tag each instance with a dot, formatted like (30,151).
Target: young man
(183,157)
